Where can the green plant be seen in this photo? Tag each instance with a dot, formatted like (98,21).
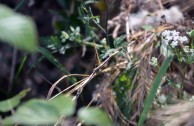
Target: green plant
(150,98)
(127,82)
(42,112)
(17,30)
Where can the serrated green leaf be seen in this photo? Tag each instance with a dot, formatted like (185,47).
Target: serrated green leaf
(11,103)
(17,30)
(94,116)
(42,112)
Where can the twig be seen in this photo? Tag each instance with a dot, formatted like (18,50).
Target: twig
(77,83)
(160,4)
(55,84)
(81,86)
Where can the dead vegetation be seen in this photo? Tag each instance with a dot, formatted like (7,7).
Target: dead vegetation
(161,15)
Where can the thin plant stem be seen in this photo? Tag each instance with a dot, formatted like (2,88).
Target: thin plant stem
(107,16)
(19,5)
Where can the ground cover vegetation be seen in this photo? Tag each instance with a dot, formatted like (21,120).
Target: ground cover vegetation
(97,62)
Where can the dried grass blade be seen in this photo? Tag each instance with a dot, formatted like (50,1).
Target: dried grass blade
(150,98)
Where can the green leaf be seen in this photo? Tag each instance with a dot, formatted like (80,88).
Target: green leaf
(147,27)
(150,98)
(119,40)
(11,103)
(64,105)
(42,112)
(121,88)
(17,30)
(53,60)
(5,11)
(191,34)
(108,53)
(94,116)
(33,112)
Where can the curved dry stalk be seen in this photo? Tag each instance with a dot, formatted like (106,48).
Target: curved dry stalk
(81,86)
(124,63)
(77,83)
(83,82)
(55,84)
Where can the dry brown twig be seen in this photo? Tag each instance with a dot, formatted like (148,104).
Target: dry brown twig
(57,82)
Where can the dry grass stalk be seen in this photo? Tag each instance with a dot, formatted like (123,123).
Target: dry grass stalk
(181,114)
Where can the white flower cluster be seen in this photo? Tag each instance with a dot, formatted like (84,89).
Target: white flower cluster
(64,37)
(188,50)
(172,37)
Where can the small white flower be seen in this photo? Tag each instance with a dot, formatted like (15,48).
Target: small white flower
(64,36)
(183,39)
(191,50)
(174,44)
(103,41)
(176,38)
(165,42)
(166,33)
(154,61)
(174,33)
(162,99)
(169,38)
(186,49)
